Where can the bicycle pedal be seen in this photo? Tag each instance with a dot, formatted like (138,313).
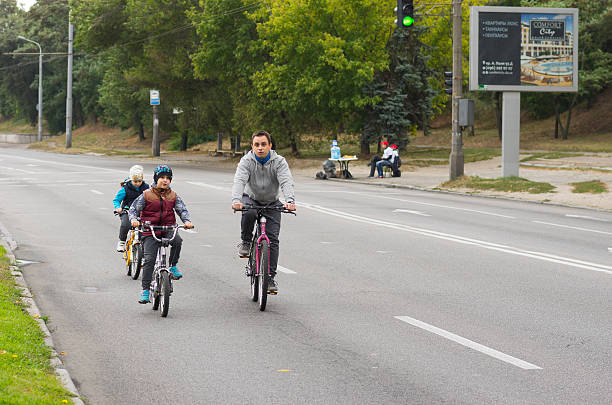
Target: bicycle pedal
(272,293)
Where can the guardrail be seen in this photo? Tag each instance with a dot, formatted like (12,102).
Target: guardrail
(21,138)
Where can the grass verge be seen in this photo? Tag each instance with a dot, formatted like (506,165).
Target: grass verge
(26,376)
(593,187)
(506,184)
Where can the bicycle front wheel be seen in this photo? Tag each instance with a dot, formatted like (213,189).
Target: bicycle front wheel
(264,261)
(136,260)
(253,276)
(164,293)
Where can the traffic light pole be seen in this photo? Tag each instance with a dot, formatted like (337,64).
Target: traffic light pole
(456,155)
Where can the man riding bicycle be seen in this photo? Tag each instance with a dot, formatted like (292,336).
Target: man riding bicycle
(260,177)
(157,206)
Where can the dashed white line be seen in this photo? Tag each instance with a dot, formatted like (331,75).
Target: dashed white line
(572,227)
(284,270)
(197,183)
(469,343)
(96,192)
(412,212)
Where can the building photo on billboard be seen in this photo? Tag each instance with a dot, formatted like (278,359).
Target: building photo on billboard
(547,49)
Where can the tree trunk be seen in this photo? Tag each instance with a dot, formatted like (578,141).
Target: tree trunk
(569,117)
(184,138)
(290,135)
(498,113)
(364,145)
(425,125)
(141,136)
(556,104)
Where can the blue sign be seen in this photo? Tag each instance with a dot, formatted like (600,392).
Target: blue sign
(154,97)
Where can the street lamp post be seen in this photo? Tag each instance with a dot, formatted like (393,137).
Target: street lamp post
(40,99)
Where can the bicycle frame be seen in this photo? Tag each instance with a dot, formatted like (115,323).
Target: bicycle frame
(261,222)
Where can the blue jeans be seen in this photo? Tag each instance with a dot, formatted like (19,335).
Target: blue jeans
(380,164)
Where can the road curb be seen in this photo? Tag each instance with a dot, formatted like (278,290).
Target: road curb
(30,306)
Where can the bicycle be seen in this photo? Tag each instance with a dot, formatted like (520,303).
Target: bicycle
(132,252)
(259,255)
(161,284)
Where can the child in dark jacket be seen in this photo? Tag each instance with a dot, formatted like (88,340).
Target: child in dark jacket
(130,189)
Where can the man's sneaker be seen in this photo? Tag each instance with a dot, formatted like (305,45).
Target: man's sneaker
(120,246)
(244,249)
(144,297)
(176,274)
(272,287)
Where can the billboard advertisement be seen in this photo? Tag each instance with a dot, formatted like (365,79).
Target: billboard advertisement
(523,49)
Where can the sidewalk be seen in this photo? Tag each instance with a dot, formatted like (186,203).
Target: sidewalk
(558,172)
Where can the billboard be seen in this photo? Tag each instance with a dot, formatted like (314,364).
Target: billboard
(523,49)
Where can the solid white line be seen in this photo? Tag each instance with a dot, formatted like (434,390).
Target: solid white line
(468,343)
(284,270)
(460,239)
(96,192)
(586,217)
(572,227)
(413,212)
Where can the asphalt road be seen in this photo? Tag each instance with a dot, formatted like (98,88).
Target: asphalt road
(386,296)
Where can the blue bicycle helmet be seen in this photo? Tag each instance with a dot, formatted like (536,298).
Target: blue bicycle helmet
(162,170)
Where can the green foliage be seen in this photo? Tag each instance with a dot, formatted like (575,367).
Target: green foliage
(511,184)
(593,187)
(26,376)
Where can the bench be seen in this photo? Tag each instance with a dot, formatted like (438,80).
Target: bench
(222,152)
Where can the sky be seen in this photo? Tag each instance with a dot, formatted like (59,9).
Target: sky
(26,4)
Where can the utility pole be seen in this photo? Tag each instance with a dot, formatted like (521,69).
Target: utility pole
(69,87)
(456,156)
(156,146)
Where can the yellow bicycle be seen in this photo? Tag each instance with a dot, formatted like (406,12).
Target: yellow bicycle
(133,253)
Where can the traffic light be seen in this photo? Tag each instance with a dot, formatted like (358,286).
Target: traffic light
(448,82)
(405,13)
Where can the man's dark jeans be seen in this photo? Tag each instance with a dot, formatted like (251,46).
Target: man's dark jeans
(273,223)
(373,162)
(150,246)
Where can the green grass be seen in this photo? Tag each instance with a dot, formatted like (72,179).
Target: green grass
(506,184)
(550,155)
(26,376)
(593,187)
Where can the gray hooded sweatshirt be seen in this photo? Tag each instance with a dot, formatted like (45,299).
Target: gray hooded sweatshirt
(263,183)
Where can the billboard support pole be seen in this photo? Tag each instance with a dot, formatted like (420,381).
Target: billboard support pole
(456,155)
(511,130)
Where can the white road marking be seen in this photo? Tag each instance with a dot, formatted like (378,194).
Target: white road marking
(24,262)
(64,164)
(460,239)
(208,246)
(586,217)
(31,165)
(197,183)
(468,343)
(327,243)
(17,170)
(610,249)
(573,227)
(383,251)
(96,192)
(441,206)
(413,212)
(284,270)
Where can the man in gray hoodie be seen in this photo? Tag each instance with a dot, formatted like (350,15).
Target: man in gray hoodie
(260,177)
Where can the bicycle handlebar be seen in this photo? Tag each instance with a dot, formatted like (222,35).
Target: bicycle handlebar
(154,228)
(279,208)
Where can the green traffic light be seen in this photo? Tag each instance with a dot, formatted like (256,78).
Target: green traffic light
(408,21)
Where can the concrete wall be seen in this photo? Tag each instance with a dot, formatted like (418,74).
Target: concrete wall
(20,138)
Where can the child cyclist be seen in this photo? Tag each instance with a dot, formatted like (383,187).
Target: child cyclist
(158,205)
(130,189)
